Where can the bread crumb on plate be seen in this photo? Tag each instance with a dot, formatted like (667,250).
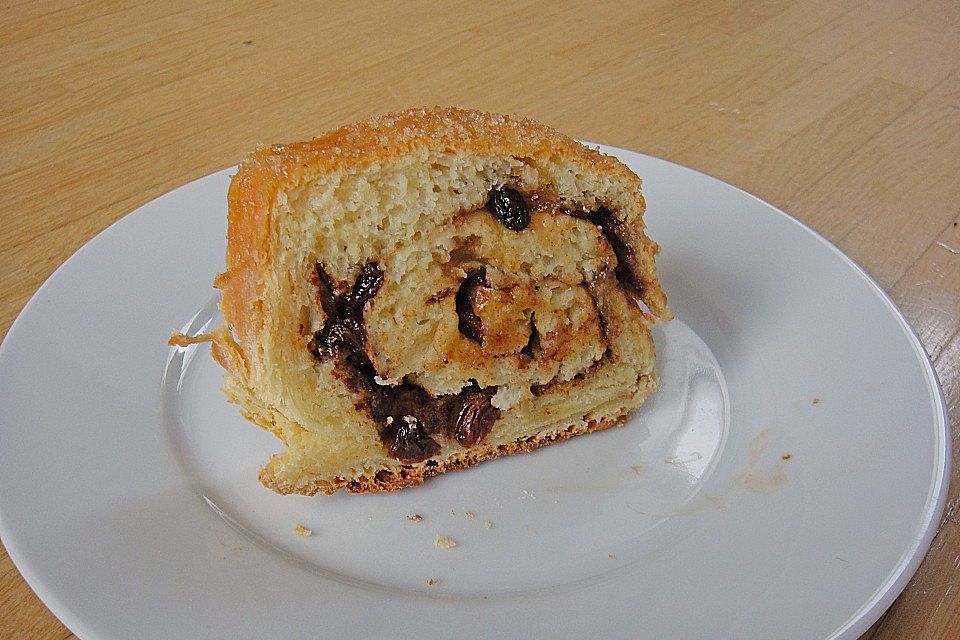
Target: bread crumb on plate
(445,542)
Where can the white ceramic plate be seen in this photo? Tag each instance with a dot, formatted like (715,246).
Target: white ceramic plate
(784,483)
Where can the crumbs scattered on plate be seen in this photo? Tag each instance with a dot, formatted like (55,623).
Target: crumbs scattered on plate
(432,582)
(414,517)
(445,542)
(301,530)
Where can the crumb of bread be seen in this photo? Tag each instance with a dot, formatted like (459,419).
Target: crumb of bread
(432,581)
(301,530)
(611,556)
(637,468)
(469,514)
(488,525)
(414,517)
(445,542)
(178,339)
(817,401)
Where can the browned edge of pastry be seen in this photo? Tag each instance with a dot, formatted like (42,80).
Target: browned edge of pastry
(414,474)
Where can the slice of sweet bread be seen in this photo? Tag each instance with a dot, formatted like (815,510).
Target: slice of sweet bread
(425,290)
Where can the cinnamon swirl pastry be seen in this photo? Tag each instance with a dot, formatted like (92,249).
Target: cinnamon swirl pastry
(426,290)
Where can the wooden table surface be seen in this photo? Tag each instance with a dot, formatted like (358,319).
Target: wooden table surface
(844,113)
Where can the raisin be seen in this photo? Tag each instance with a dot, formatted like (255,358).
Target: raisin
(470,324)
(343,332)
(410,443)
(509,206)
(447,410)
(408,399)
(476,416)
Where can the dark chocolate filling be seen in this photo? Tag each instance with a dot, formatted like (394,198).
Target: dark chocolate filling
(406,415)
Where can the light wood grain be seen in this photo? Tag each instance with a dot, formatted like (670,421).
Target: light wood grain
(23,615)
(846,113)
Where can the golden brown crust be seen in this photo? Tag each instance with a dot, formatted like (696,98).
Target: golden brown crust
(414,474)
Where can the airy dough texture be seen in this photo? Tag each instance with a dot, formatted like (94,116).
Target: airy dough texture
(408,191)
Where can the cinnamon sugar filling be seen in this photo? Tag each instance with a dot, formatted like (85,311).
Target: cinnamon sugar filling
(408,418)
